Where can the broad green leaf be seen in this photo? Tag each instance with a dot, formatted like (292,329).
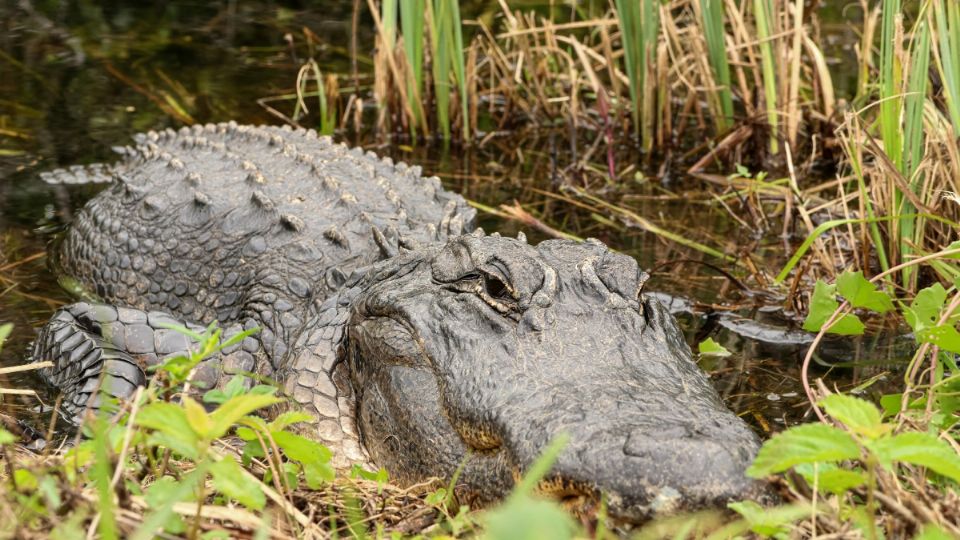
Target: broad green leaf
(709,347)
(236,408)
(173,430)
(291,470)
(822,306)
(162,492)
(300,448)
(527,518)
(197,416)
(317,474)
(925,308)
(228,478)
(807,443)
(161,513)
(918,448)
(5,330)
(932,532)
(186,445)
(859,415)
(6,437)
(380,476)
(831,478)
(769,521)
(25,479)
(436,497)
(863,294)
(944,336)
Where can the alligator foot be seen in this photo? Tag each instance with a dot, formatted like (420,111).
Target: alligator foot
(101,351)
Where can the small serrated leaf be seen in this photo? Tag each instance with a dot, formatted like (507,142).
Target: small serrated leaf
(236,408)
(919,448)
(228,479)
(807,443)
(197,416)
(859,415)
(831,478)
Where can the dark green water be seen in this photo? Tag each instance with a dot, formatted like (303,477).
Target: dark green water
(77,78)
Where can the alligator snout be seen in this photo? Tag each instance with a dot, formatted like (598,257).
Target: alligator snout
(641,471)
(513,345)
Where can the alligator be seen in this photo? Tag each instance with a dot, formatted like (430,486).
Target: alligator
(418,341)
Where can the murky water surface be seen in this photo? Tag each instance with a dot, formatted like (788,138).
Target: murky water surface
(77,78)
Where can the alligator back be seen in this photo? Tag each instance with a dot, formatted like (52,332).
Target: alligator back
(211,220)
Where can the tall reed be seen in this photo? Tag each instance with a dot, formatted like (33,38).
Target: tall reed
(639,34)
(712,19)
(763,12)
(946,16)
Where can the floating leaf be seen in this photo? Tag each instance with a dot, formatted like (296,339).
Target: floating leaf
(863,294)
(822,306)
(709,347)
(228,478)
(919,448)
(807,443)
(859,415)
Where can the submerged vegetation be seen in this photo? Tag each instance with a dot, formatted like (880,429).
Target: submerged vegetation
(737,97)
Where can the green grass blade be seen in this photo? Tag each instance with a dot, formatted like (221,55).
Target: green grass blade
(628,17)
(459,64)
(412,20)
(913,141)
(713,26)
(890,77)
(762,12)
(947,17)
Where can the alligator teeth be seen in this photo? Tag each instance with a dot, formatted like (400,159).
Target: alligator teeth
(522,237)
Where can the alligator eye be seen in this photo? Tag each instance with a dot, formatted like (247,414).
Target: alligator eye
(496,288)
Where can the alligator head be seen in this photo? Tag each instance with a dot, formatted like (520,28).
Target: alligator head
(491,347)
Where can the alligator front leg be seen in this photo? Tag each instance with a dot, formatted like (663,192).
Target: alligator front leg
(99,350)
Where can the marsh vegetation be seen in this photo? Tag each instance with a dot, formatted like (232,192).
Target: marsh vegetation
(788,170)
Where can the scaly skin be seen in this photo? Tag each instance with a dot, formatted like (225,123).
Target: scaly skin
(413,339)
